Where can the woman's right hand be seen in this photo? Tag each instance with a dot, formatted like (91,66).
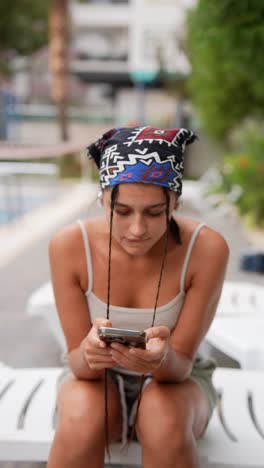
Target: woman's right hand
(96,352)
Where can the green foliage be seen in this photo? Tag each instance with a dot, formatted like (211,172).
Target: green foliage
(245,169)
(225,46)
(23,28)
(23,24)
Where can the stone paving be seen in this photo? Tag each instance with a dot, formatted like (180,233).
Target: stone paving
(27,341)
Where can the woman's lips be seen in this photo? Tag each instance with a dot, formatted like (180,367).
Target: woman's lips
(135,241)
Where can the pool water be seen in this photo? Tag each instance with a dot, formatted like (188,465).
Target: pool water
(15,202)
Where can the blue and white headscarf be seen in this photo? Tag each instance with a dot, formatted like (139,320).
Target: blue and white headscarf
(147,155)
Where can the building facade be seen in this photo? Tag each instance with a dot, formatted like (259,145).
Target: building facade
(124,41)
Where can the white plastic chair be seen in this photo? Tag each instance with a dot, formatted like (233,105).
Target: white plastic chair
(236,329)
(241,299)
(42,303)
(234,437)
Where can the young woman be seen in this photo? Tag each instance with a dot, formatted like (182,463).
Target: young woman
(137,267)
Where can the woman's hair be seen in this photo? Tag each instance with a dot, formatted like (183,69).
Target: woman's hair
(171,225)
(174,227)
(114,193)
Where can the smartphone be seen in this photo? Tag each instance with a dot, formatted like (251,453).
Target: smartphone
(126,337)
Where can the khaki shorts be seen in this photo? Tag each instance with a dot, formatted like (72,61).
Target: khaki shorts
(202,373)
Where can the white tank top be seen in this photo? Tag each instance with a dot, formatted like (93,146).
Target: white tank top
(134,318)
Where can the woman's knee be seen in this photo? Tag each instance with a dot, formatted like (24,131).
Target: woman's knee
(80,413)
(161,421)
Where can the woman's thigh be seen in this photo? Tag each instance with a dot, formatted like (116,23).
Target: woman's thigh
(81,404)
(180,408)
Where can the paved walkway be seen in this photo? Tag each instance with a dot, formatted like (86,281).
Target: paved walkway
(27,341)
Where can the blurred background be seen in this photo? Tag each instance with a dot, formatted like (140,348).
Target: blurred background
(69,70)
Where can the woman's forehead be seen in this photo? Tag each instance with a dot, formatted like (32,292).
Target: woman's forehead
(139,193)
(137,190)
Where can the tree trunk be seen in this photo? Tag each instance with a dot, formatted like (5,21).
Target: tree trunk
(59,60)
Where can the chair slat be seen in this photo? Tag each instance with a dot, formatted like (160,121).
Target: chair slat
(241,298)
(15,399)
(39,417)
(237,386)
(257,391)
(237,415)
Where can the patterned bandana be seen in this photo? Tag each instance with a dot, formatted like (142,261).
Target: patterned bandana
(147,155)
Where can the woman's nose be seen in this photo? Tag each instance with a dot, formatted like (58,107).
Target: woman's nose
(138,227)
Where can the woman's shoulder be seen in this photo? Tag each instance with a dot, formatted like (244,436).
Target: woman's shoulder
(207,238)
(70,237)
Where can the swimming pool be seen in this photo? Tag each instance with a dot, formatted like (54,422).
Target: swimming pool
(19,199)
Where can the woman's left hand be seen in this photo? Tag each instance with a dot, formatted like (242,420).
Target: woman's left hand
(144,360)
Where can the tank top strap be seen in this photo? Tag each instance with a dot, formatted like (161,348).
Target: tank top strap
(188,254)
(88,256)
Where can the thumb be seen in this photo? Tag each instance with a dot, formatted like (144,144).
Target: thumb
(158,332)
(102,322)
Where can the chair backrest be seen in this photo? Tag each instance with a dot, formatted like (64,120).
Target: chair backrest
(42,303)
(240,299)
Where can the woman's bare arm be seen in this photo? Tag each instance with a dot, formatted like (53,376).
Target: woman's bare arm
(208,264)
(70,299)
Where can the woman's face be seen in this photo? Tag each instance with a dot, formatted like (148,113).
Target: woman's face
(139,220)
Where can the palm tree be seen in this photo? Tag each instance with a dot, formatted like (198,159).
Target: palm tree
(59,60)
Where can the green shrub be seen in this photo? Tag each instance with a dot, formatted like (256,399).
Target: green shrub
(244,169)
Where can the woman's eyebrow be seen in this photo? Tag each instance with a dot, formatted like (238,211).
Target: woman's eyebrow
(156,205)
